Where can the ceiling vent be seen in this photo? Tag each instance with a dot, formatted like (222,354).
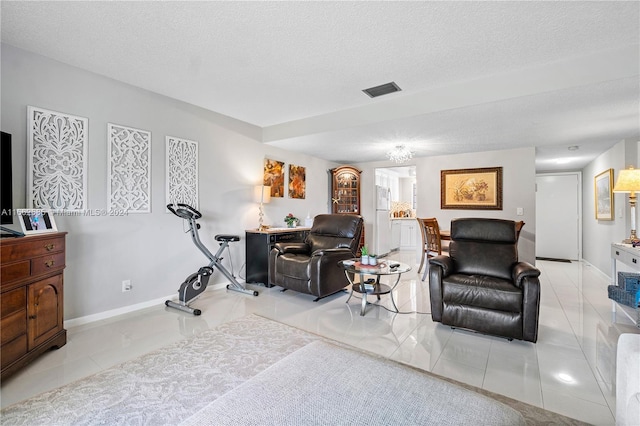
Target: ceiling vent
(383,89)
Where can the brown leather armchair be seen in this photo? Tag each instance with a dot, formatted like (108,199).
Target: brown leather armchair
(312,266)
(481,285)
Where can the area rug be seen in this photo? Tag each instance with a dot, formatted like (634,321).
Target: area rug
(352,388)
(168,385)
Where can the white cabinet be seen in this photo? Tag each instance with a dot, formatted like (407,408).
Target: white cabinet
(629,256)
(395,234)
(409,234)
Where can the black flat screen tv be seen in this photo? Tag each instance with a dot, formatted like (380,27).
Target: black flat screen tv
(6,180)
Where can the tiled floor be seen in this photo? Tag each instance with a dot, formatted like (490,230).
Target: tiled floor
(570,370)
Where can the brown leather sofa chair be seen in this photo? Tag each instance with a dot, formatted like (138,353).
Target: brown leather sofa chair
(312,266)
(481,285)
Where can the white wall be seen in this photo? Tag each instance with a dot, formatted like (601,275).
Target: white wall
(518,190)
(149,249)
(597,236)
(519,179)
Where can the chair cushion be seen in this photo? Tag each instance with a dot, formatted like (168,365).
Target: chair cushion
(325,242)
(482,229)
(293,265)
(331,231)
(482,291)
(336,225)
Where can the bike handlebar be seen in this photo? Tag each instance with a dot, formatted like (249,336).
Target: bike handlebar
(184,211)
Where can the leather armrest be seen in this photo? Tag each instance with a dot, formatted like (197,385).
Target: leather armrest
(334,251)
(296,248)
(522,270)
(445,262)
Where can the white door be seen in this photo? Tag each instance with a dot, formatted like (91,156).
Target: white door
(558,216)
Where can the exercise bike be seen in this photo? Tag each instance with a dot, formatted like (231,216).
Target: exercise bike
(196,283)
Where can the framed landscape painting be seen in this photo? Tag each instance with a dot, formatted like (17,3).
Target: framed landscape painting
(471,189)
(603,184)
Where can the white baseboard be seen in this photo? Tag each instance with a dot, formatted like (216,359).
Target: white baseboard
(130,308)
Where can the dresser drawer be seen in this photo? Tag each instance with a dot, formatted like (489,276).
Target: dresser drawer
(13,301)
(13,326)
(14,271)
(45,264)
(28,249)
(13,309)
(13,350)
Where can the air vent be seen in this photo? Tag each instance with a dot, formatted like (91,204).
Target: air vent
(383,89)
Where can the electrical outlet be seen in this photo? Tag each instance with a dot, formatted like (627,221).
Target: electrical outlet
(519,211)
(126,285)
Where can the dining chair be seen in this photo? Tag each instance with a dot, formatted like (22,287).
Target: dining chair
(519,226)
(432,244)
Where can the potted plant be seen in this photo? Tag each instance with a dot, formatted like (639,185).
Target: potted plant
(364,259)
(291,220)
(373,259)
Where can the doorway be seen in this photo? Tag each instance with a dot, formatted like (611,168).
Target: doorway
(395,188)
(559,215)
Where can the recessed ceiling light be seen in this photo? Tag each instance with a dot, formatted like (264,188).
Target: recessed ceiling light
(383,89)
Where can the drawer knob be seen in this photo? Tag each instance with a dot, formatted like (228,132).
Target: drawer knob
(617,253)
(32,317)
(49,263)
(50,247)
(634,260)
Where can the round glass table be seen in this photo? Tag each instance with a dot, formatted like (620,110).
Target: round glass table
(373,286)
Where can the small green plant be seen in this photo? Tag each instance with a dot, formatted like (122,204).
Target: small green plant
(291,220)
(364,251)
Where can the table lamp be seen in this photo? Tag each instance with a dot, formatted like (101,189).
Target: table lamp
(262,195)
(629,181)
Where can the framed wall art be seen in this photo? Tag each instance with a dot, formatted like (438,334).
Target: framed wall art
(603,184)
(57,160)
(297,182)
(182,171)
(129,177)
(471,189)
(274,177)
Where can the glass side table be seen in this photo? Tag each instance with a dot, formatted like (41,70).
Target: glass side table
(373,286)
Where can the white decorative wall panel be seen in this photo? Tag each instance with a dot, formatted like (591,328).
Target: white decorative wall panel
(182,171)
(57,169)
(129,179)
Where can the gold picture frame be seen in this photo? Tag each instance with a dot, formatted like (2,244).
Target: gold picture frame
(603,195)
(471,189)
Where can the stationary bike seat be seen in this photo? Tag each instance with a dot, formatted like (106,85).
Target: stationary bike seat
(224,237)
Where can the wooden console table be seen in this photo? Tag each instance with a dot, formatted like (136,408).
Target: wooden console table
(630,256)
(260,243)
(31,307)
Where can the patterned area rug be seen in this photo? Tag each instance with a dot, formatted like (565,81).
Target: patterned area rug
(166,386)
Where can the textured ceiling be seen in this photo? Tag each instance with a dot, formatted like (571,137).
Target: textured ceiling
(476,76)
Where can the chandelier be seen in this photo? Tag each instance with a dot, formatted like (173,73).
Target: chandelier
(400,154)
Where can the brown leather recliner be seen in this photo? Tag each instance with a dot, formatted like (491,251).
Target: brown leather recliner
(312,266)
(481,285)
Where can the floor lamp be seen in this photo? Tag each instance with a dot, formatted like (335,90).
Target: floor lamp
(629,181)
(263,196)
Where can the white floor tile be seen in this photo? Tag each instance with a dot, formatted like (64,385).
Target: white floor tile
(570,369)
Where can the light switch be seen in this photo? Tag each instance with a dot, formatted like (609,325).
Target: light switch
(520,211)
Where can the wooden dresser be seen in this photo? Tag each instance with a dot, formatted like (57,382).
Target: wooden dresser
(31,303)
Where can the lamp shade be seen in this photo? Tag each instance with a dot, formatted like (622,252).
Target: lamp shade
(262,194)
(628,180)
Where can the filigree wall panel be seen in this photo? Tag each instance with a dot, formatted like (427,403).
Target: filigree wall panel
(182,171)
(129,179)
(57,169)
